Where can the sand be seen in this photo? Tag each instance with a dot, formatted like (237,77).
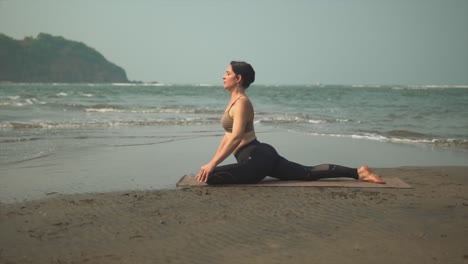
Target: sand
(425,224)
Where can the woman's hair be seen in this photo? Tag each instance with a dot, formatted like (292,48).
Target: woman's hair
(245,70)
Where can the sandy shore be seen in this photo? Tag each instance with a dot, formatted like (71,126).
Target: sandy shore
(426,224)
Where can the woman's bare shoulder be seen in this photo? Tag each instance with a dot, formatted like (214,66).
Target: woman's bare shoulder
(244,103)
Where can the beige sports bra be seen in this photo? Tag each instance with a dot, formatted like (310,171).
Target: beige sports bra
(227,121)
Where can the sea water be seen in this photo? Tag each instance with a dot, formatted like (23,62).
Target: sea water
(37,120)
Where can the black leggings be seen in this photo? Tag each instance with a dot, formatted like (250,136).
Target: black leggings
(257,160)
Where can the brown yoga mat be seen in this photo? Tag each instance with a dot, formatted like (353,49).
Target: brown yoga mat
(337,182)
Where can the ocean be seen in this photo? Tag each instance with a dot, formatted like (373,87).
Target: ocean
(37,120)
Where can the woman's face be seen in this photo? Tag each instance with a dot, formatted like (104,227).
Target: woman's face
(230,79)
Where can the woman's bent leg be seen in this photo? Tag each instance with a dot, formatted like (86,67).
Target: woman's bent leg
(234,174)
(255,162)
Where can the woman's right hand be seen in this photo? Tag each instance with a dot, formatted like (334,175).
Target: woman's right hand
(205,170)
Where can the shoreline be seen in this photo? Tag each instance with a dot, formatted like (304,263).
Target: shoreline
(158,162)
(425,224)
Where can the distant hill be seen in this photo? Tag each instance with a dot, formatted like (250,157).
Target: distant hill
(48,58)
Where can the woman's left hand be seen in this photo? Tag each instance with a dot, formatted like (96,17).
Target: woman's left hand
(205,170)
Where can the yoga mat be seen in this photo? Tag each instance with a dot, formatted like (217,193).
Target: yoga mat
(394,182)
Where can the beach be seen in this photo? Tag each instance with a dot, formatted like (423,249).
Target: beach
(88,174)
(120,205)
(425,224)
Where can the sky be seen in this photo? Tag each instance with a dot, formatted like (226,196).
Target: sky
(407,42)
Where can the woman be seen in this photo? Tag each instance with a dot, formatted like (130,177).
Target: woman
(257,160)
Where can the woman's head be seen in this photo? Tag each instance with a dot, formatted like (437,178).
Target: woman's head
(246,72)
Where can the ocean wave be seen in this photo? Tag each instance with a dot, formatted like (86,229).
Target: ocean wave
(427,87)
(140,84)
(299,118)
(415,87)
(206,85)
(18,139)
(17,101)
(279,120)
(104,124)
(405,134)
(452,143)
(104,110)
(316,121)
(118,109)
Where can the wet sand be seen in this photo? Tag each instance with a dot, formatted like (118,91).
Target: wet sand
(156,158)
(425,224)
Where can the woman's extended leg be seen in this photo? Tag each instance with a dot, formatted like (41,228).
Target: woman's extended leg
(332,171)
(289,171)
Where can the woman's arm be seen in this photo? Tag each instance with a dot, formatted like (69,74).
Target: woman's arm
(221,144)
(231,141)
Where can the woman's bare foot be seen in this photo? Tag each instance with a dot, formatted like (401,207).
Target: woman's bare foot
(366,174)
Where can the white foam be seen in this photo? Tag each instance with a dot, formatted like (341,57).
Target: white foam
(103,110)
(124,84)
(342,120)
(205,85)
(316,121)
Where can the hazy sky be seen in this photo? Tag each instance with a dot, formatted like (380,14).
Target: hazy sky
(287,42)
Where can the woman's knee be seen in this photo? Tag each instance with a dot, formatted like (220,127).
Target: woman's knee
(221,177)
(242,174)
